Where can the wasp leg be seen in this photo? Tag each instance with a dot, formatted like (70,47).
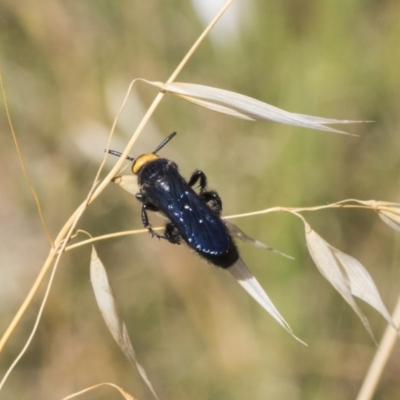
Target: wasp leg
(140,197)
(144,200)
(213,201)
(146,223)
(196,176)
(210,197)
(151,207)
(171,233)
(147,204)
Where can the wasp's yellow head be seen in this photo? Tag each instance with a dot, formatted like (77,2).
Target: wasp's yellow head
(142,160)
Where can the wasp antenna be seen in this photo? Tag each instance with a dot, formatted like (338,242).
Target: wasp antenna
(164,142)
(118,154)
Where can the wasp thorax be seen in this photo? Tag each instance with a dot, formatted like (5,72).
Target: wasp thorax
(141,161)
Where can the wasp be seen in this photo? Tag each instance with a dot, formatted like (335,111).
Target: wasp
(193,216)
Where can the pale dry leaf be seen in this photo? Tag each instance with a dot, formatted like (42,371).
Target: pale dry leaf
(246,107)
(362,285)
(388,212)
(388,219)
(246,279)
(216,107)
(109,309)
(391,216)
(128,183)
(346,275)
(237,232)
(330,269)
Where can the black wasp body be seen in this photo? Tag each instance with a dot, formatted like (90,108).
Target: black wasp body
(193,217)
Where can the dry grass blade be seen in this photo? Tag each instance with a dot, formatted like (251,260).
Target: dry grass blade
(347,276)
(109,309)
(237,232)
(328,266)
(246,107)
(246,279)
(362,285)
(390,219)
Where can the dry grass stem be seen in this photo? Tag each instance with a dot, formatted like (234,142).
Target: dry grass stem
(390,338)
(23,166)
(124,394)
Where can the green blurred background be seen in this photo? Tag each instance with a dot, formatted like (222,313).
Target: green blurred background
(66,66)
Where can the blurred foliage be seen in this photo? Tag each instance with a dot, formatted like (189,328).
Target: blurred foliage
(66,66)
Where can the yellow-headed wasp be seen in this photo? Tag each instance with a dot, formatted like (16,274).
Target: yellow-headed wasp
(193,217)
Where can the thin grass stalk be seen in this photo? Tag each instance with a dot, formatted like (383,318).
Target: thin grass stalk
(23,166)
(123,393)
(198,41)
(293,210)
(27,301)
(390,338)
